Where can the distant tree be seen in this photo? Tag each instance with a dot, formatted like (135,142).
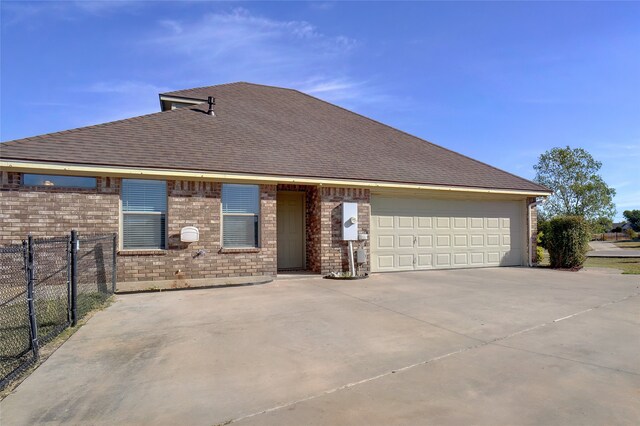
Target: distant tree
(601,225)
(578,189)
(633,216)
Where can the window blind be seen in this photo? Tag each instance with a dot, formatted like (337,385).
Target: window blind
(139,195)
(240,215)
(240,198)
(144,207)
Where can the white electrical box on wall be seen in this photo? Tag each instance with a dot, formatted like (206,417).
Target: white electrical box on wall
(189,234)
(350,221)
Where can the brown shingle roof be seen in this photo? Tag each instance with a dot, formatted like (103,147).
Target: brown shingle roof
(265,130)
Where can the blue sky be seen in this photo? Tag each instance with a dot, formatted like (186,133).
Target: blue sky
(501,82)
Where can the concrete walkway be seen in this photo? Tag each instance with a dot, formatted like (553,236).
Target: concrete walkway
(498,346)
(609,249)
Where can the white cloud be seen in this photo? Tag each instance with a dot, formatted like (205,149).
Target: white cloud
(239,45)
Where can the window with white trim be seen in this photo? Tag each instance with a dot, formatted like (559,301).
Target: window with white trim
(240,215)
(144,214)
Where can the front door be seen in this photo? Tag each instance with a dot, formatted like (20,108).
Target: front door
(290,211)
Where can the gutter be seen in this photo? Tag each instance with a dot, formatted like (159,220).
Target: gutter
(89,170)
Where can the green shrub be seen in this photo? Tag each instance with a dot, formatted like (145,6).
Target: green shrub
(539,254)
(568,241)
(632,234)
(543,230)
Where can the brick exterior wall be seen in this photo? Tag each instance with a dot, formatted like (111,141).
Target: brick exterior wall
(46,211)
(334,251)
(51,211)
(199,204)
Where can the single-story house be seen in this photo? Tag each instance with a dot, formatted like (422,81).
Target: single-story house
(262,173)
(620,227)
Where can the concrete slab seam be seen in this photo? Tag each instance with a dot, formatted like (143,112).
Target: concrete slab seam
(430,360)
(359,382)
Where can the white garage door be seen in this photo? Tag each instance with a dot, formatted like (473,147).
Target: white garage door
(412,234)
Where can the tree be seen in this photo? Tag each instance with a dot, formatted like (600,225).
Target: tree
(578,189)
(601,225)
(633,216)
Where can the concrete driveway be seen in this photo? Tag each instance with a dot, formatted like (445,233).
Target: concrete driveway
(491,346)
(609,249)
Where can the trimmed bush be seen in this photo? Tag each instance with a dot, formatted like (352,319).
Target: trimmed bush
(632,234)
(567,240)
(543,230)
(539,254)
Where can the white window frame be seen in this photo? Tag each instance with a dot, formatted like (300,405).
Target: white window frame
(257,215)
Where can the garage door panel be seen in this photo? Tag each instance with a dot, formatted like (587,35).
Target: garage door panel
(493,257)
(460,240)
(493,240)
(386,241)
(477,240)
(477,258)
(460,259)
(493,223)
(476,223)
(385,261)
(443,259)
(405,222)
(405,241)
(424,223)
(424,241)
(424,234)
(424,261)
(459,223)
(443,223)
(384,222)
(405,260)
(443,240)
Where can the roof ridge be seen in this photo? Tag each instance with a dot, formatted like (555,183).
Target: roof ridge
(419,138)
(77,129)
(230,84)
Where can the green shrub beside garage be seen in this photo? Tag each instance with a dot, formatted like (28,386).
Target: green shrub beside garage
(567,240)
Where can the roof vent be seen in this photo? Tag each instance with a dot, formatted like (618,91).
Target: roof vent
(212,102)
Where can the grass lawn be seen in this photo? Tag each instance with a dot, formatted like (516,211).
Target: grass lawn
(627,265)
(631,245)
(51,316)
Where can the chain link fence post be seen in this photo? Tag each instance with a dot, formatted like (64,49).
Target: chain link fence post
(74,277)
(30,271)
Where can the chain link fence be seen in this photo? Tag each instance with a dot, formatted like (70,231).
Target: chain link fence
(46,285)
(51,286)
(96,271)
(15,334)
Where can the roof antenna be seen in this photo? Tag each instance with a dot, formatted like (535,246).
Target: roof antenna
(212,102)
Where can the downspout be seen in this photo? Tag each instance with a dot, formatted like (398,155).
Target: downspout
(529,206)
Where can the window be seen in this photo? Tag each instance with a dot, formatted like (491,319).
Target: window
(240,215)
(56,181)
(144,210)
